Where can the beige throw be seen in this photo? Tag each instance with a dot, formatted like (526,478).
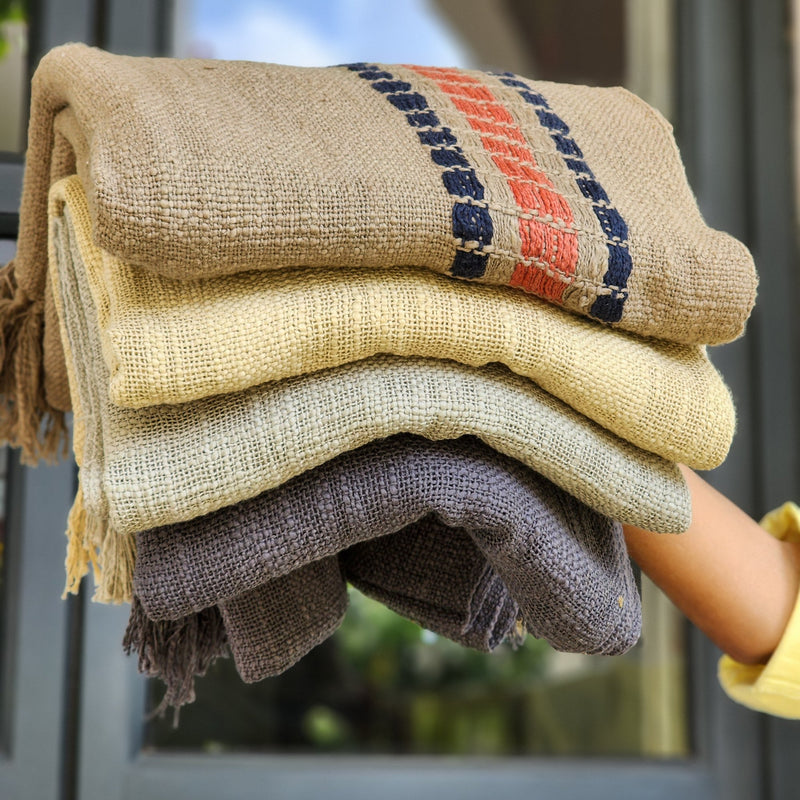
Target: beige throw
(195,168)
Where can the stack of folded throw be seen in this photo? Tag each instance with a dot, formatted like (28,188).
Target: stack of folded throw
(432,332)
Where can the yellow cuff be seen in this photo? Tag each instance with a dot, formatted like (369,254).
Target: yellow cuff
(773,687)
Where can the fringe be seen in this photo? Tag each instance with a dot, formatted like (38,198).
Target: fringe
(80,554)
(27,420)
(175,651)
(117,557)
(112,556)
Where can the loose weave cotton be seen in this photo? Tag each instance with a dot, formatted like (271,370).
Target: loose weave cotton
(436,576)
(267,630)
(440,580)
(194,168)
(271,627)
(564,565)
(167,341)
(165,464)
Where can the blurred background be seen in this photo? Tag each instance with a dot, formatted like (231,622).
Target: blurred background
(384,707)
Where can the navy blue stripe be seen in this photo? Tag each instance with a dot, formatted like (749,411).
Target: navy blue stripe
(471,223)
(607,308)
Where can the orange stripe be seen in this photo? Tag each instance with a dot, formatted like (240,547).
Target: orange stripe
(533,191)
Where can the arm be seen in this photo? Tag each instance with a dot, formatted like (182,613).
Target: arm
(736,582)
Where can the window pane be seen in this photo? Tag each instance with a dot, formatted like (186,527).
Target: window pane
(13,73)
(381,685)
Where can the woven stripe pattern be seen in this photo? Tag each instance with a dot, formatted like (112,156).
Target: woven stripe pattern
(167,341)
(578,189)
(571,193)
(436,332)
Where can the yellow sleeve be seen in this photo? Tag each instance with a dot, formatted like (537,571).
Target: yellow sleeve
(773,687)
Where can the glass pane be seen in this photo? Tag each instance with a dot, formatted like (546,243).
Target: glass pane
(314,32)
(382,685)
(13,75)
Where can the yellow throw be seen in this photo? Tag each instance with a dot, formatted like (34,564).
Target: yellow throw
(168,341)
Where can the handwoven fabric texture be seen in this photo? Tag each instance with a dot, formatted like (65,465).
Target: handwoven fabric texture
(381,166)
(194,168)
(564,565)
(267,630)
(270,628)
(440,580)
(147,467)
(167,341)
(436,576)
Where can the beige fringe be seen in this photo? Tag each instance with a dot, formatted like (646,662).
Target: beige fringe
(117,560)
(79,553)
(27,420)
(112,556)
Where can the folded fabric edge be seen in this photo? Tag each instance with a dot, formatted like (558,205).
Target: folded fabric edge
(709,423)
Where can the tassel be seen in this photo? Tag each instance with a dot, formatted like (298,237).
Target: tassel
(27,420)
(117,559)
(112,556)
(175,651)
(80,553)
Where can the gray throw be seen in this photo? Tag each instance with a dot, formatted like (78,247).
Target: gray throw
(450,534)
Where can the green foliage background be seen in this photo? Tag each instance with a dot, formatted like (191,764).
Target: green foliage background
(382,685)
(11,11)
